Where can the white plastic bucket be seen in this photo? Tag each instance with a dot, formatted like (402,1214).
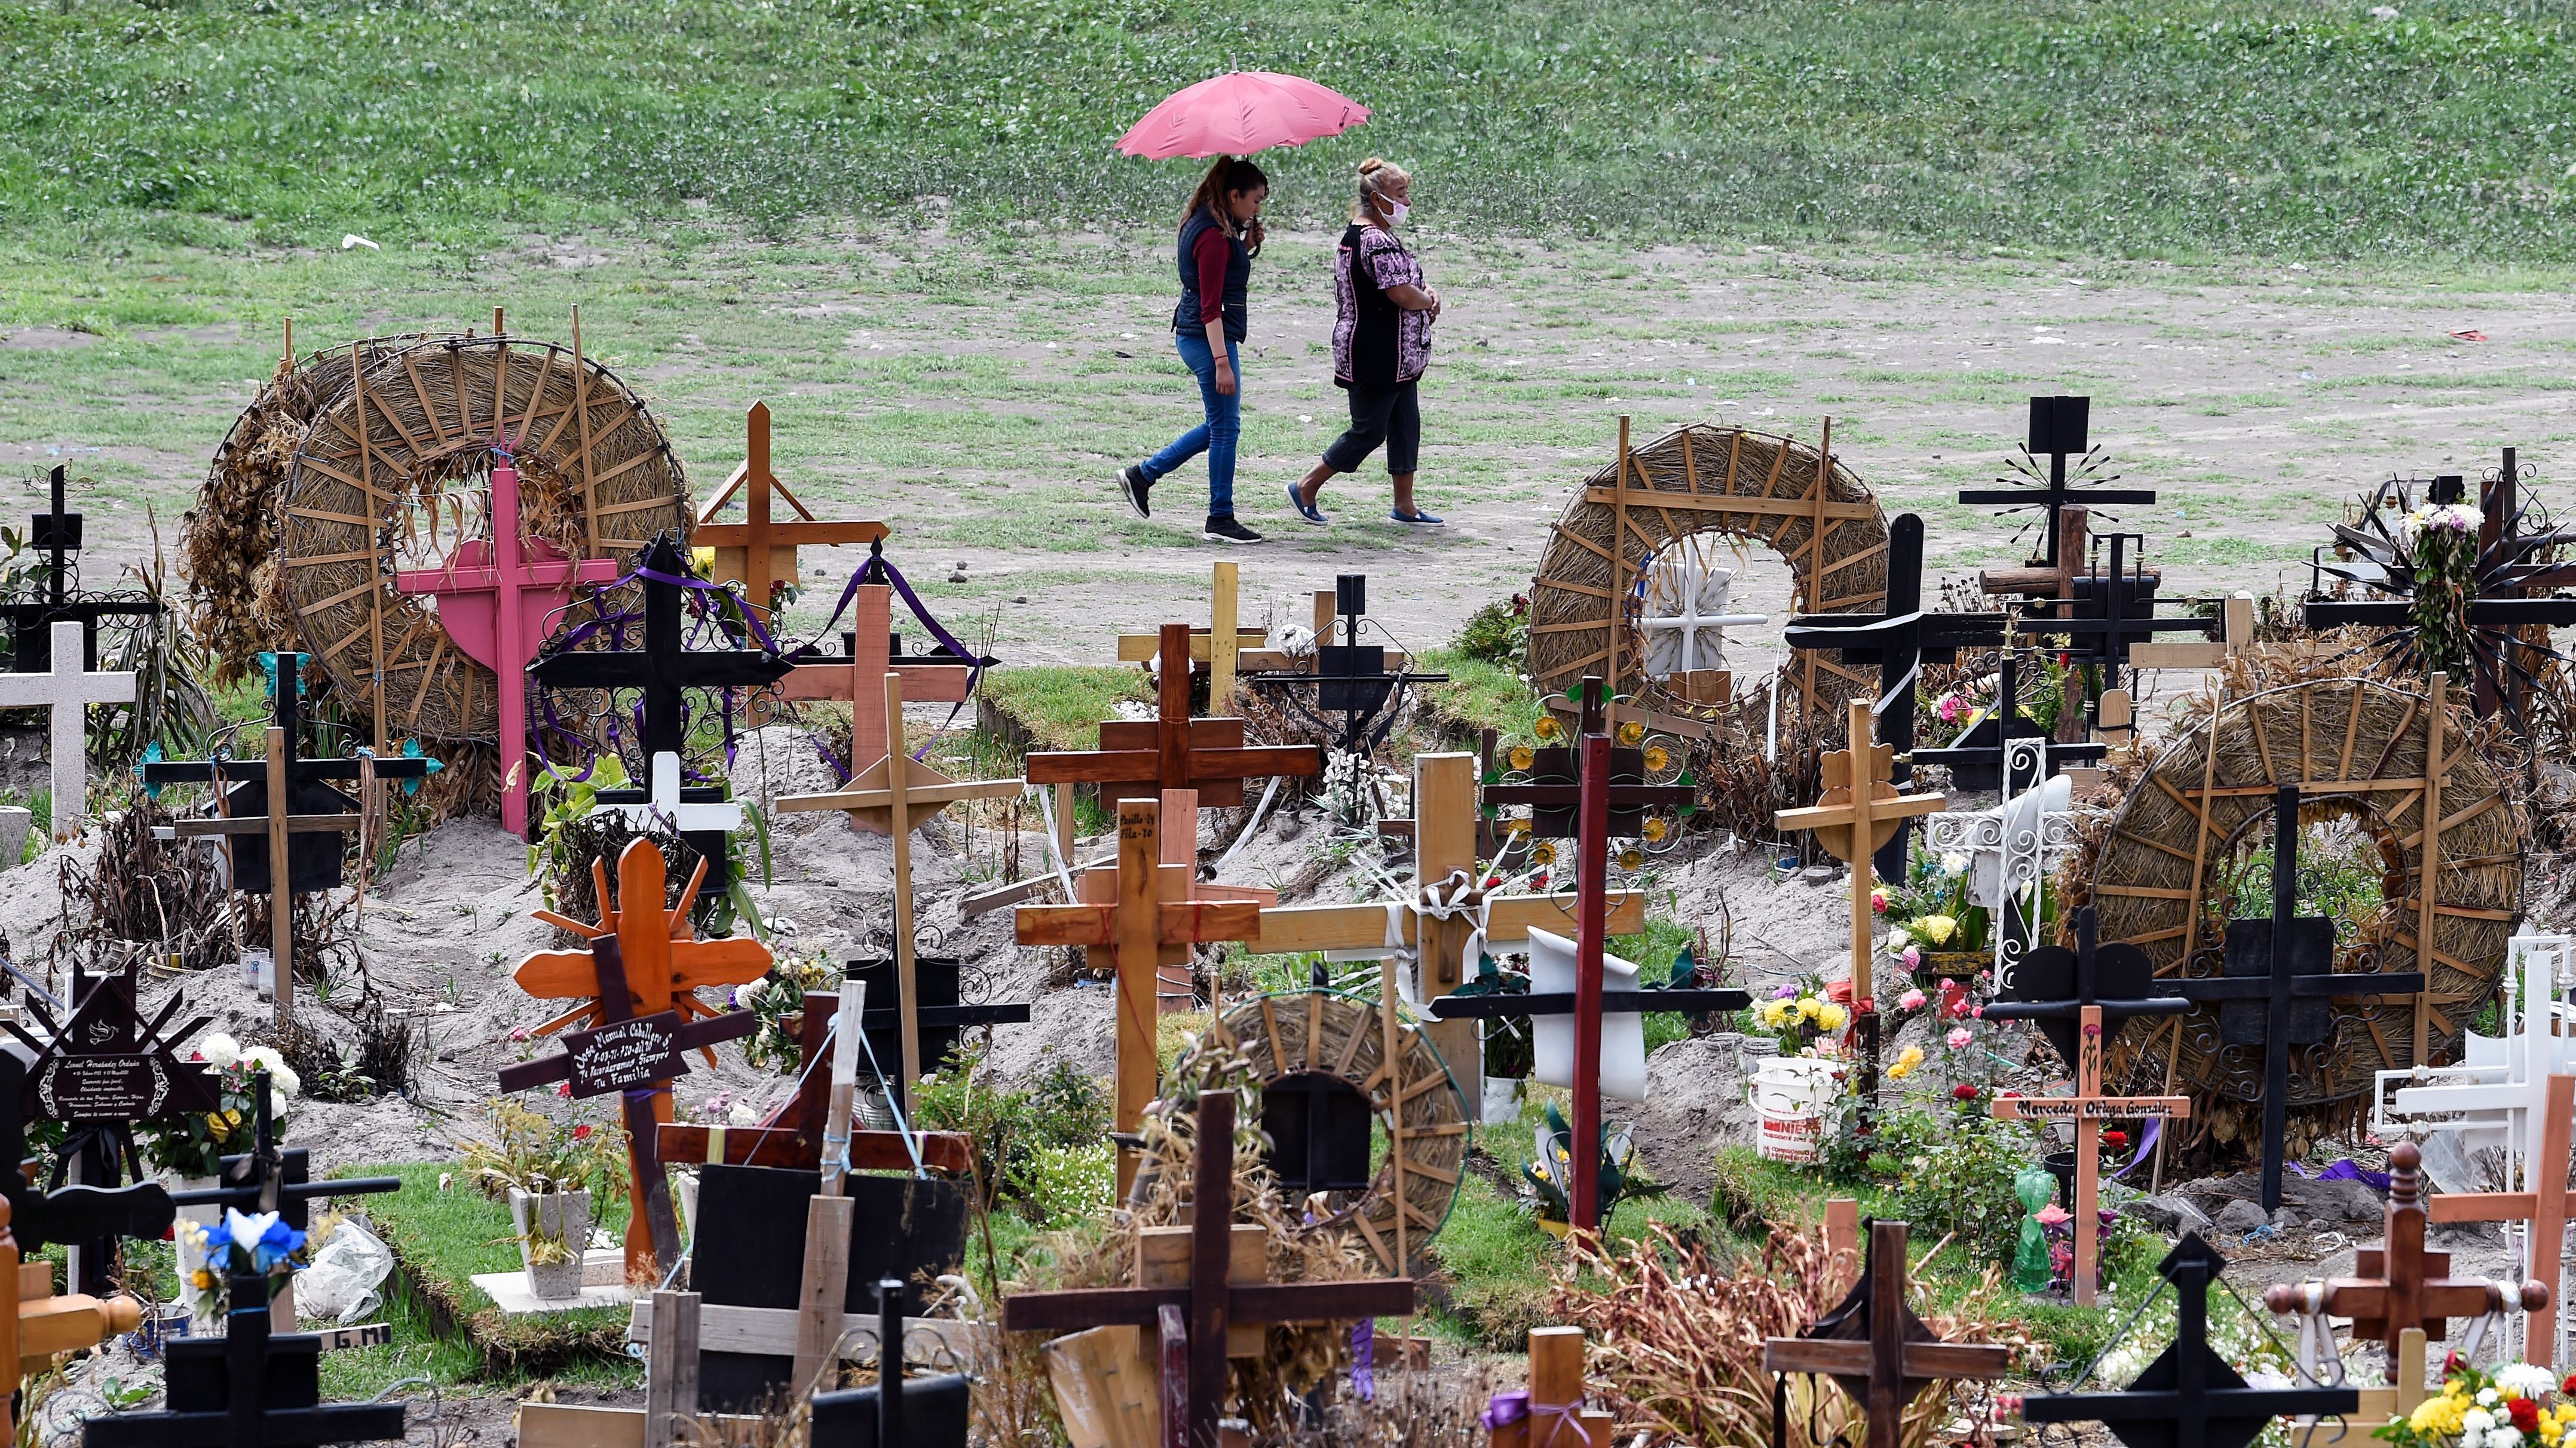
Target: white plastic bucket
(1788,1094)
(1502,1098)
(1788,1136)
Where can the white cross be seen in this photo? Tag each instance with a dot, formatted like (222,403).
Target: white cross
(2495,1096)
(2012,847)
(663,803)
(1685,595)
(68,691)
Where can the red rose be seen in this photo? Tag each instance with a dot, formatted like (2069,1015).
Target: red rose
(2453,1362)
(581,1132)
(2526,1414)
(564,1090)
(2569,1387)
(2115,1139)
(1963,1092)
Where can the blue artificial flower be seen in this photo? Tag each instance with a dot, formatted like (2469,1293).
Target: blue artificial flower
(276,1244)
(151,755)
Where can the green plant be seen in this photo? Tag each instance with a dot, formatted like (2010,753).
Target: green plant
(1033,1143)
(773,998)
(1944,1165)
(1498,633)
(532,1154)
(1547,1178)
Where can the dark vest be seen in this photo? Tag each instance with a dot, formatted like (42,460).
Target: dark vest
(1238,281)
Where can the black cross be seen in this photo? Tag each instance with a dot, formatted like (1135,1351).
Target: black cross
(1350,678)
(90,1217)
(265,1179)
(2189,1397)
(1689,1000)
(312,858)
(2281,983)
(1875,1347)
(893,1413)
(57,535)
(1554,792)
(940,1017)
(1900,640)
(2052,985)
(2057,432)
(102,1071)
(251,1388)
(1979,758)
(663,668)
(2110,611)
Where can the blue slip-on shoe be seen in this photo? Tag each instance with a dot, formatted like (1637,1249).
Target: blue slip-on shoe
(1418,520)
(1306,510)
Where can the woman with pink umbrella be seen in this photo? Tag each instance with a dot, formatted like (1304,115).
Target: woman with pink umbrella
(1227,117)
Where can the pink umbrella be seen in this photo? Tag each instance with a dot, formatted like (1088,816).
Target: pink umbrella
(1238,114)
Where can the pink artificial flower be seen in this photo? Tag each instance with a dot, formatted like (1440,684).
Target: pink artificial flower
(518,1033)
(1910,1001)
(1959,1038)
(1912,956)
(564,1090)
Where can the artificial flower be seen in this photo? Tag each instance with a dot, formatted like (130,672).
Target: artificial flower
(1964,1091)
(2115,1140)
(742,1115)
(1906,1061)
(1912,955)
(1954,864)
(218,1050)
(281,1077)
(1832,1017)
(1878,901)
(1958,1038)
(1811,1008)
(1936,928)
(2525,1414)
(1910,1001)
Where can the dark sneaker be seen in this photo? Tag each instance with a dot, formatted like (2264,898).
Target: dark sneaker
(1417,519)
(1306,510)
(1133,486)
(1226,530)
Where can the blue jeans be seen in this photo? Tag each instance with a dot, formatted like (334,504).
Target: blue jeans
(1216,436)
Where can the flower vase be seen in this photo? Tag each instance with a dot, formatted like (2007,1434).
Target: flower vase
(557,1216)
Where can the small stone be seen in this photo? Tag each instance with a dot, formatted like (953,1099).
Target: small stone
(448,1054)
(1019,598)
(2285,1219)
(957,578)
(2240,1217)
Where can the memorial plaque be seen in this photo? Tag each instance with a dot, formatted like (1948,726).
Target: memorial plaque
(118,1087)
(624,1054)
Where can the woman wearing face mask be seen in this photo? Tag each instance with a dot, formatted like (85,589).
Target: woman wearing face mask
(1381,343)
(1219,237)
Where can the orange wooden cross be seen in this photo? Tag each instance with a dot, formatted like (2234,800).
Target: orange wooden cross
(756,552)
(1153,921)
(664,964)
(2398,1284)
(2088,1108)
(1141,759)
(2544,1202)
(859,678)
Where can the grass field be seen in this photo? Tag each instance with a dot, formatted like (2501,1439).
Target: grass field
(2150,127)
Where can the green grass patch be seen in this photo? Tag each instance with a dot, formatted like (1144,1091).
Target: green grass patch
(441,1239)
(1039,710)
(1478,696)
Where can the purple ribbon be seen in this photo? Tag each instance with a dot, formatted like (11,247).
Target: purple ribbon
(1509,1407)
(1364,1359)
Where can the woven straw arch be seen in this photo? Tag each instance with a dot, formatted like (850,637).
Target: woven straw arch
(430,417)
(1571,633)
(2356,748)
(1337,1034)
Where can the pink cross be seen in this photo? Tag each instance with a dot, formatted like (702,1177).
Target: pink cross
(493,599)
(861,680)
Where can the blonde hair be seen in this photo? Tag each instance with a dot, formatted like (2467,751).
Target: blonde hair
(1375,177)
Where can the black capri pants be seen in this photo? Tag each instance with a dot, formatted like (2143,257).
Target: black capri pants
(1389,415)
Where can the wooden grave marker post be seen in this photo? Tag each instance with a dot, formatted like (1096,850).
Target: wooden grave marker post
(758,552)
(638,984)
(1899,639)
(1877,1349)
(868,655)
(1860,811)
(2189,1395)
(1225,646)
(663,669)
(2544,1202)
(221,1391)
(1193,1319)
(1554,1413)
(257,828)
(885,798)
(2398,1284)
(1154,916)
(495,597)
(99,1071)
(2083,998)
(65,692)
(2281,984)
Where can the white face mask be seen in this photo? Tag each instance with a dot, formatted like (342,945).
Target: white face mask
(1395,211)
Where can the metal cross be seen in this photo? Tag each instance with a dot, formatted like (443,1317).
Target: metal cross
(2058,431)
(57,535)
(1351,679)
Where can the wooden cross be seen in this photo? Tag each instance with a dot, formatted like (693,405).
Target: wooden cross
(1860,811)
(793,1134)
(1192,1320)
(100,1071)
(1874,1345)
(256,827)
(1352,679)
(1900,640)
(2189,1394)
(885,799)
(1141,759)
(640,979)
(868,655)
(221,1391)
(496,598)
(662,669)
(266,1179)
(57,535)
(756,552)
(1154,917)
(1556,1393)
(2544,1202)
(2088,1108)
(2058,427)
(1225,646)
(2281,984)
(2398,1284)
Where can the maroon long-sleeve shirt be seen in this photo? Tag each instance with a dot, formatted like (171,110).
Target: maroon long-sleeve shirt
(1211,252)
